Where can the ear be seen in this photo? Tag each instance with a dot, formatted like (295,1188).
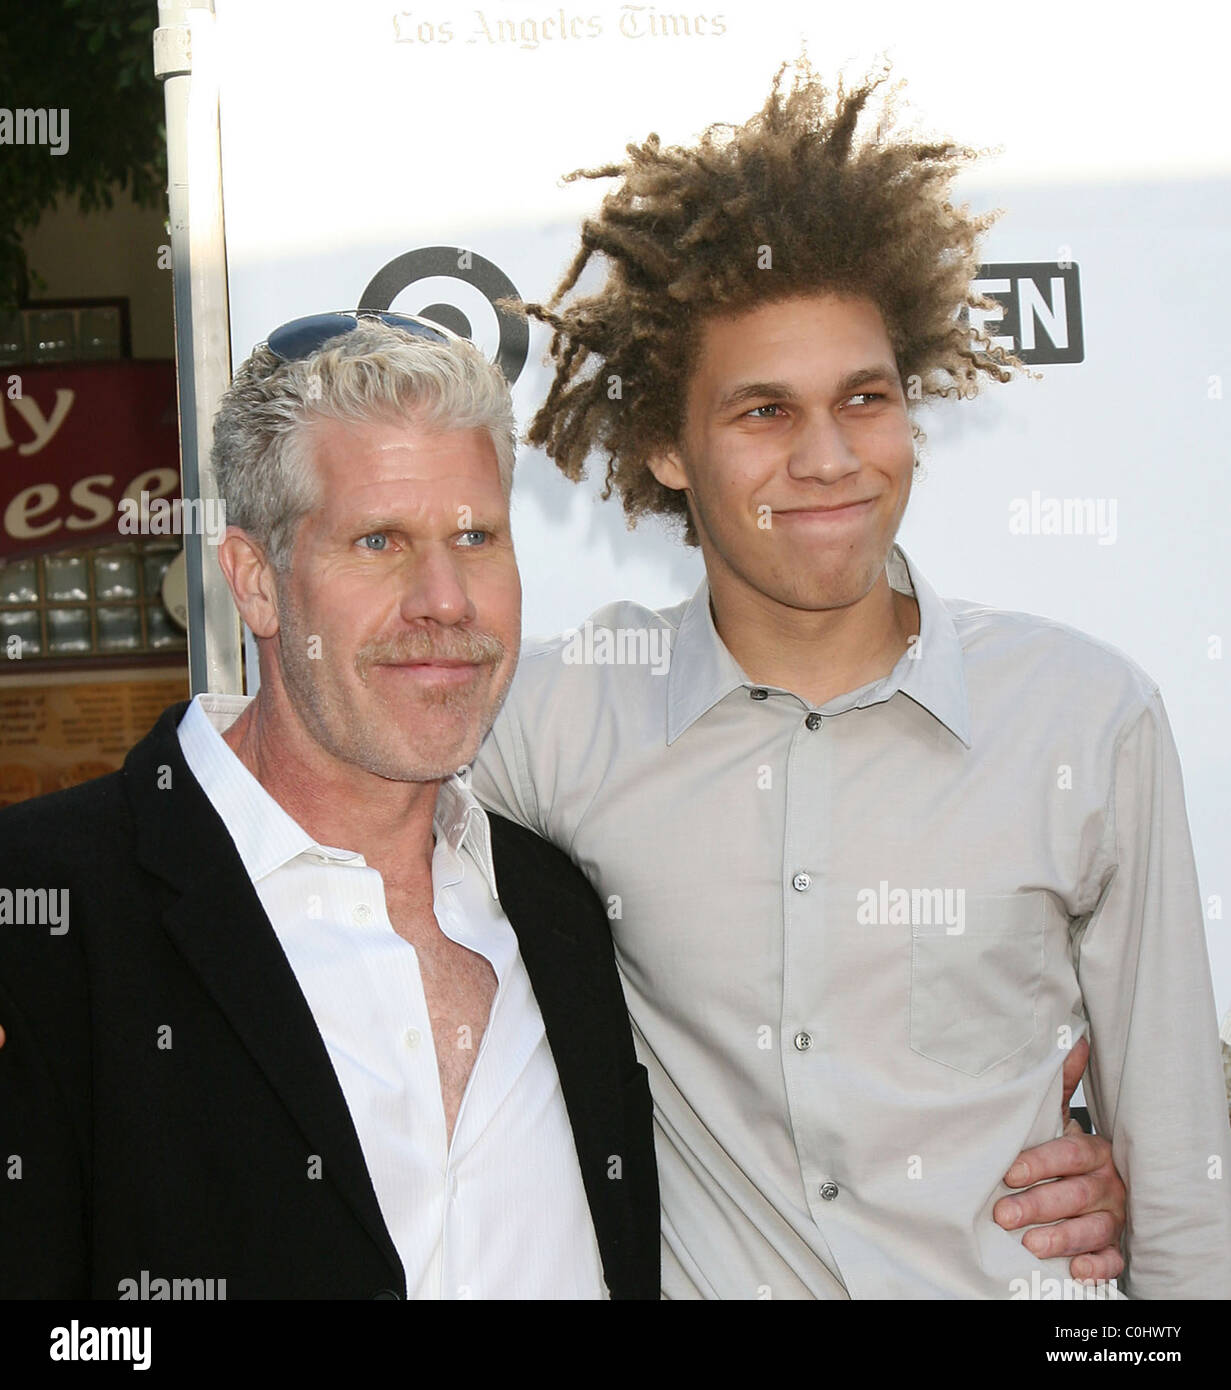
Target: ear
(669,470)
(250,577)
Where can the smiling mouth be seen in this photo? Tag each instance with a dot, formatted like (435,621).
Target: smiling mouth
(847,509)
(432,658)
(444,670)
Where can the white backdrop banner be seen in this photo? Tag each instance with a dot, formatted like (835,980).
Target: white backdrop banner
(412,159)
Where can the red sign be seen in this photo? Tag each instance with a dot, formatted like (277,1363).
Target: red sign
(74,441)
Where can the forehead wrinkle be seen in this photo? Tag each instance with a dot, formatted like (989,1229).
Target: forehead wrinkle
(473,486)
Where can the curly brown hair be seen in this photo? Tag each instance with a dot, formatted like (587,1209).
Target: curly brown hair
(686,235)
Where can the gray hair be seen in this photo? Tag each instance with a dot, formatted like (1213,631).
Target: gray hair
(373,373)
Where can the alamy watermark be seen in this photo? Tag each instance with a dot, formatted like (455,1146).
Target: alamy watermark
(78,1343)
(1037,515)
(35,907)
(1039,1287)
(39,125)
(883,906)
(618,646)
(144,515)
(158,1290)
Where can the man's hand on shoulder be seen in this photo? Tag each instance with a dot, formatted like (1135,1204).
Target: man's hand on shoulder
(1086,1200)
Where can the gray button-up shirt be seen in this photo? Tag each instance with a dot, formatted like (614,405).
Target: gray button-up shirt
(857,947)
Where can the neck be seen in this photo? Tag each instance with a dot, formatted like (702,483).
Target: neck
(815,654)
(337,803)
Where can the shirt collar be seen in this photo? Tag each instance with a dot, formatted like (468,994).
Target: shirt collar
(931,672)
(461,820)
(702,670)
(265,835)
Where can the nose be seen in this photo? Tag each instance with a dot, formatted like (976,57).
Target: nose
(434,587)
(821,450)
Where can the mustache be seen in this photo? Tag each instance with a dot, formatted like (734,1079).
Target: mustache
(481,648)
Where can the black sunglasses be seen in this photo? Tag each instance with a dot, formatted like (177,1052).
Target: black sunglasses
(302,337)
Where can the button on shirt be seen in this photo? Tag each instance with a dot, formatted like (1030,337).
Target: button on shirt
(501,1211)
(858,941)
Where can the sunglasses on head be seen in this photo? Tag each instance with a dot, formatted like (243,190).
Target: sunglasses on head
(302,337)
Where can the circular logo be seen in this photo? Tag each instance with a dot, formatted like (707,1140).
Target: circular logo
(455,263)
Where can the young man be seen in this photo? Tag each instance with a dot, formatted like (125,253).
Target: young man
(860,921)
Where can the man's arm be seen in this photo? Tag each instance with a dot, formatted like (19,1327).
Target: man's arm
(500,776)
(1155,1083)
(1086,1200)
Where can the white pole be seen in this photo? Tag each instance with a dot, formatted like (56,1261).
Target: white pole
(185,58)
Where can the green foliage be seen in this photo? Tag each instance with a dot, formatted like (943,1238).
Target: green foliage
(94,57)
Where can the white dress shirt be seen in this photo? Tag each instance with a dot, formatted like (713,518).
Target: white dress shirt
(858,941)
(501,1211)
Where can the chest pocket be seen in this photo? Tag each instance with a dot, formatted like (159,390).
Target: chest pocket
(974,992)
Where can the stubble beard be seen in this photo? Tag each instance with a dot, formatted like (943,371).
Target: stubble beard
(385,746)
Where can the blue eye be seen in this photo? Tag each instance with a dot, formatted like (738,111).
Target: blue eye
(482,536)
(379,541)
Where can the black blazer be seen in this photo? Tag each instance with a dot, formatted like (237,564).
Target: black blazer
(168,1099)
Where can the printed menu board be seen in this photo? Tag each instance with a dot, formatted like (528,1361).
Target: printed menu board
(56,735)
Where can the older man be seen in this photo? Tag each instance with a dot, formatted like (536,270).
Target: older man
(319,1026)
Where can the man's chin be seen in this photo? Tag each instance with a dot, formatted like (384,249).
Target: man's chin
(822,598)
(822,590)
(417,774)
(424,754)
(430,764)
